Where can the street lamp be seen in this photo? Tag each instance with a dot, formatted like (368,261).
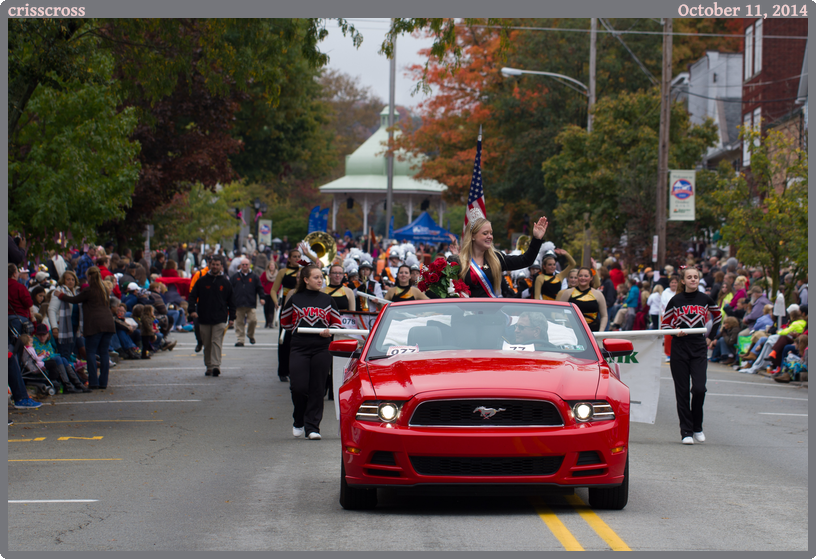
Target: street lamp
(567,81)
(563,80)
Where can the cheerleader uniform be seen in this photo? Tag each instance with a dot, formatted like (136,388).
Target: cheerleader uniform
(309,359)
(589,307)
(688,354)
(288,282)
(403,294)
(550,287)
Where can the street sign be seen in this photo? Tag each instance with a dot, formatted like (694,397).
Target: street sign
(682,193)
(265,231)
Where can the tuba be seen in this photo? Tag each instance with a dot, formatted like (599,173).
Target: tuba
(323,245)
(523,243)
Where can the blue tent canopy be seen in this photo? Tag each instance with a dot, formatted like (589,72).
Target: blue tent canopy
(424,230)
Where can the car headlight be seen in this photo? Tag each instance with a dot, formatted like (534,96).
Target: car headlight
(383,412)
(592,411)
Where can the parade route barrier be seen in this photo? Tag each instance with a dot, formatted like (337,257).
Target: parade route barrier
(373,298)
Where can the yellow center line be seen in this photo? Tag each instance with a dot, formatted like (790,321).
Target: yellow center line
(61,459)
(556,526)
(601,528)
(26,440)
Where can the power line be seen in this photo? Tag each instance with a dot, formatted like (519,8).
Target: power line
(639,63)
(743,101)
(520,28)
(628,32)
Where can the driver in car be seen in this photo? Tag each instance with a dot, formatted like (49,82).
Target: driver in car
(531,328)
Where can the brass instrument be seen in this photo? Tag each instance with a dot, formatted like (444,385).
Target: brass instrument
(323,245)
(523,243)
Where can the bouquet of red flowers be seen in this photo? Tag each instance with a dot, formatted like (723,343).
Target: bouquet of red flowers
(442,279)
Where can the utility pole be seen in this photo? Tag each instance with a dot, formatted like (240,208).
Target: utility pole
(663,145)
(587,252)
(390,157)
(593,41)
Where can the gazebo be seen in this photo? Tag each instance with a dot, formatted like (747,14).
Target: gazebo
(366,179)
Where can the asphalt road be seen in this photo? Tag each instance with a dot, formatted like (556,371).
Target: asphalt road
(168,459)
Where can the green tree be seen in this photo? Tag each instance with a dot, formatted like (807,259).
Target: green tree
(71,164)
(611,172)
(199,214)
(765,211)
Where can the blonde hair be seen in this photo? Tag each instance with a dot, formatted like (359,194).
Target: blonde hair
(657,289)
(466,254)
(741,279)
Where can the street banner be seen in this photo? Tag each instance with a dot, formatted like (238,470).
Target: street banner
(682,194)
(314,216)
(323,220)
(641,373)
(265,231)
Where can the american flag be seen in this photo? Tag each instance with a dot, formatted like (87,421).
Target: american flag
(476,195)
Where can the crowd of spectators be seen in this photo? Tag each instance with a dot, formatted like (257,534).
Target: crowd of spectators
(145,303)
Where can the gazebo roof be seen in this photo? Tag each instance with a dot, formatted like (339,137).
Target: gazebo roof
(366,169)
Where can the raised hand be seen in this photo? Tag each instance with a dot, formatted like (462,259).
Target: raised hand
(540,227)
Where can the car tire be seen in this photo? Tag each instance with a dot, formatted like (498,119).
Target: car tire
(612,498)
(352,498)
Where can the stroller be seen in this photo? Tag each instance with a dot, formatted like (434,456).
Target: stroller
(35,377)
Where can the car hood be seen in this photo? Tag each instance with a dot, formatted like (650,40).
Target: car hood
(402,377)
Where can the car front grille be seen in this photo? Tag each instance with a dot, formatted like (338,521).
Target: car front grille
(486,413)
(486,466)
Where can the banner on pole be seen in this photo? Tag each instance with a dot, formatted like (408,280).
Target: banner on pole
(682,194)
(641,373)
(314,217)
(265,231)
(323,224)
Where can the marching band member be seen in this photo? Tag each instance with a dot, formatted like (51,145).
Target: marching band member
(389,275)
(548,283)
(404,291)
(370,287)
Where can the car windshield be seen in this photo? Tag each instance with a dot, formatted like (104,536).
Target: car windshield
(486,325)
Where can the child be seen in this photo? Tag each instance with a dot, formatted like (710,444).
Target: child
(40,352)
(144,316)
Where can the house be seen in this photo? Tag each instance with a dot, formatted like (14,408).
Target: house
(715,91)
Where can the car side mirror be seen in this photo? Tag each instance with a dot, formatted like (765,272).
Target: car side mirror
(343,348)
(614,347)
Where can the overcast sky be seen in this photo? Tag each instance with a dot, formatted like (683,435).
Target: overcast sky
(372,69)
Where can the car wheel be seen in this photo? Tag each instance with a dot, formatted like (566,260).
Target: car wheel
(352,498)
(614,498)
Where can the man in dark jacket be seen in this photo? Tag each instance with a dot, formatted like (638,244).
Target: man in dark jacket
(210,301)
(246,289)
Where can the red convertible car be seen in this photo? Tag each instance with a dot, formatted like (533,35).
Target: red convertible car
(483,392)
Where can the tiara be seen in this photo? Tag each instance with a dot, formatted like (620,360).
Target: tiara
(475,213)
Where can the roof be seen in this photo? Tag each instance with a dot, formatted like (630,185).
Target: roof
(366,168)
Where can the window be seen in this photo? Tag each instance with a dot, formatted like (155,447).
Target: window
(753,50)
(749,51)
(751,121)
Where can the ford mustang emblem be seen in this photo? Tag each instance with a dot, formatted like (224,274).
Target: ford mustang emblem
(487,413)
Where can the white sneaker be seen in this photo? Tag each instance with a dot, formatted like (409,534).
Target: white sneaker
(688,440)
(314,435)
(699,437)
(297,431)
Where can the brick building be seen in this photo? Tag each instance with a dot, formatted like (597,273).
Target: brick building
(774,51)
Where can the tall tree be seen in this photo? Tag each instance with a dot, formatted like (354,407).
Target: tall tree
(765,214)
(611,172)
(71,159)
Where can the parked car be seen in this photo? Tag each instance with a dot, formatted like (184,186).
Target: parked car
(483,392)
